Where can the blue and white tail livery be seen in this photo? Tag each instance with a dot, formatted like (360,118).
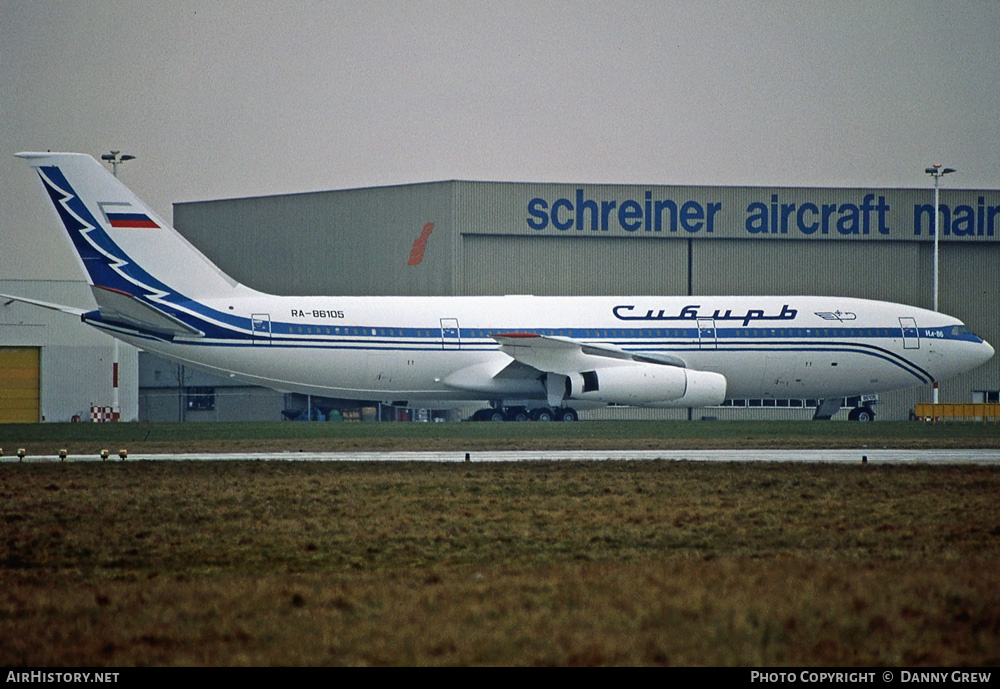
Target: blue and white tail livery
(544,355)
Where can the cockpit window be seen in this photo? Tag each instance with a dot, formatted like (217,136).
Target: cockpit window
(959,330)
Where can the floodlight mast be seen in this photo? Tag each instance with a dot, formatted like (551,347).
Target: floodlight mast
(937,172)
(114,159)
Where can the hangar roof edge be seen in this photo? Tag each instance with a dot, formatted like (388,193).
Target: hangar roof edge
(632,185)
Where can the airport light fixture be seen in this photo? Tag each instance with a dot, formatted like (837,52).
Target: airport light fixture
(115,160)
(937,172)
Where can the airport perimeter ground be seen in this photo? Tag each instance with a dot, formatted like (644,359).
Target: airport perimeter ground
(550,563)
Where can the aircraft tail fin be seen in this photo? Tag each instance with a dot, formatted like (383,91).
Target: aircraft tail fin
(122,244)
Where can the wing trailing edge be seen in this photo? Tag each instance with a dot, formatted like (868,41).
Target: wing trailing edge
(564,355)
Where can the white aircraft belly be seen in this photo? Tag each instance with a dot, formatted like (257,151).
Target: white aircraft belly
(330,372)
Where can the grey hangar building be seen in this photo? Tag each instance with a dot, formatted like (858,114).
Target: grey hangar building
(494,238)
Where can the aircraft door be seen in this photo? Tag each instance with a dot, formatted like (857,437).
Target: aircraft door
(706,334)
(911,334)
(450,334)
(261,328)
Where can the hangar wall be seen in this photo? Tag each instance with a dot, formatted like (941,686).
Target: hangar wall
(497,264)
(74,362)
(575,239)
(169,391)
(354,242)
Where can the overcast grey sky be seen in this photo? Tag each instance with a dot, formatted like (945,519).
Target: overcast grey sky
(222,99)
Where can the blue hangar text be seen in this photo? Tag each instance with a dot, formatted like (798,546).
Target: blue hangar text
(630,215)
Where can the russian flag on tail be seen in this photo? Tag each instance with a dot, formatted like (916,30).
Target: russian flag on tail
(126,216)
(131,220)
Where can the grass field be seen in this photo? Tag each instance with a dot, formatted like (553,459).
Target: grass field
(583,563)
(83,438)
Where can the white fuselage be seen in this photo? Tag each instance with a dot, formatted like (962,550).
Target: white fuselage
(404,348)
(157,291)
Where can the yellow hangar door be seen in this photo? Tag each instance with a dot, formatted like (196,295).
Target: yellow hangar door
(19,384)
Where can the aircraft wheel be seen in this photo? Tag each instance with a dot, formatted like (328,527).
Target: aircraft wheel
(542,414)
(519,415)
(566,414)
(496,415)
(861,414)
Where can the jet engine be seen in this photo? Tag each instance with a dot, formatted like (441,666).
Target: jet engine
(649,385)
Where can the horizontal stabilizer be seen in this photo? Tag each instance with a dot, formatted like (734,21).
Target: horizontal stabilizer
(73,311)
(119,307)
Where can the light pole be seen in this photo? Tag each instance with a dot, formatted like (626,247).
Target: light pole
(937,172)
(115,160)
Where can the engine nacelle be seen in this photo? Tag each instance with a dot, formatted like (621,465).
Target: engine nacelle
(648,385)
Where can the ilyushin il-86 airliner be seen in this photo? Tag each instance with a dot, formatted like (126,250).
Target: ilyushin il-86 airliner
(526,356)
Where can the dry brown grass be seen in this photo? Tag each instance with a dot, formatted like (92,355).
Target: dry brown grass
(252,563)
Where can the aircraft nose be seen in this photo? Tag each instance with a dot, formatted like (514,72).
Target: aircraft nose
(988,351)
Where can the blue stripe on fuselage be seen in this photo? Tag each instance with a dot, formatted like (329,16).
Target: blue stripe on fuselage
(406,339)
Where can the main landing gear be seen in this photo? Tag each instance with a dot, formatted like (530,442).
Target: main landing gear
(525,414)
(864,413)
(861,408)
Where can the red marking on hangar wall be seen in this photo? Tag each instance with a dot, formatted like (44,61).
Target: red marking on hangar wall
(420,245)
